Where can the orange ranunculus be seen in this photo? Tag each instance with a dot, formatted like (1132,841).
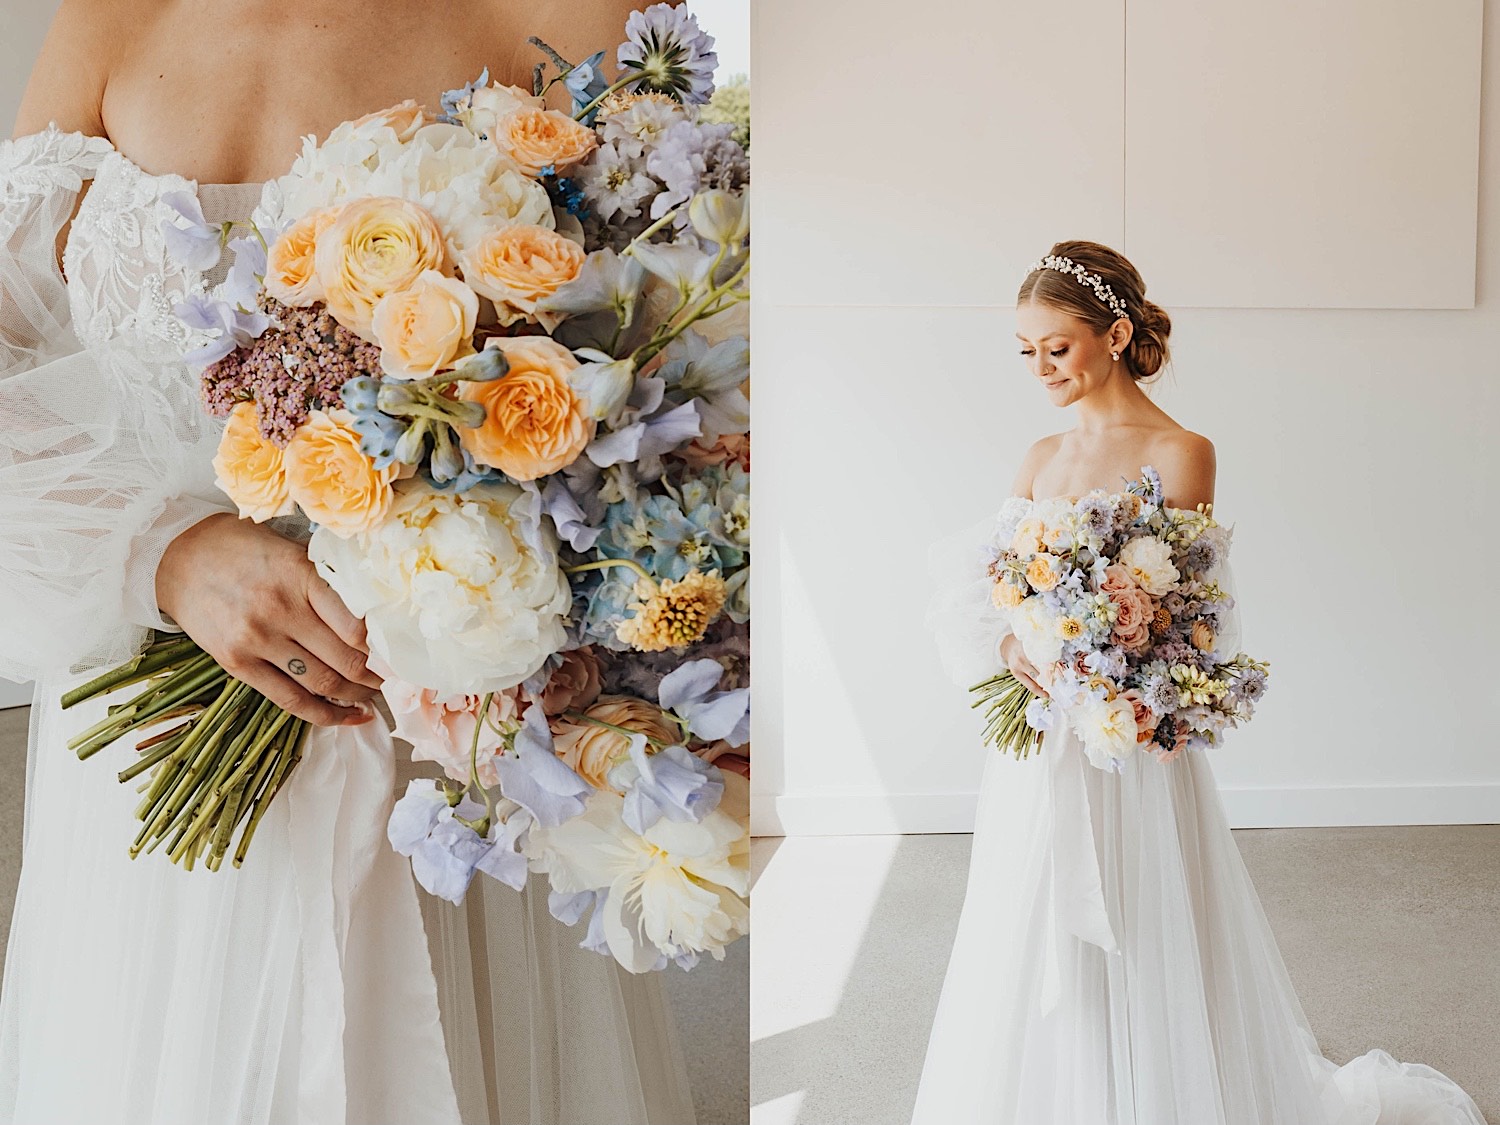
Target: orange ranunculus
(336,485)
(535,423)
(375,246)
(250,468)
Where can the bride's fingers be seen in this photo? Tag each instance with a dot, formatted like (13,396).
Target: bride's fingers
(283,690)
(311,672)
(345,647)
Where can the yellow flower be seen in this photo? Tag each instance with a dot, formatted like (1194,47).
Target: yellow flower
(1069,628)
(673,614)
(376,245)
(250,468)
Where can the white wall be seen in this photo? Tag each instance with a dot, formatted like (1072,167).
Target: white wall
(1355,445)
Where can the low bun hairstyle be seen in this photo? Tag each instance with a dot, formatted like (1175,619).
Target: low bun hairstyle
(1147,353)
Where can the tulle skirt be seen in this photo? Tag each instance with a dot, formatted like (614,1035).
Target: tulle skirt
(315,985)
(1113,966)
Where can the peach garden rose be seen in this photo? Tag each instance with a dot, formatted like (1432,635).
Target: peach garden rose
(535,423)
(291,269)
(536,138)
(336,485)
(426,326)
(250,469)
(592,749)
(516,266)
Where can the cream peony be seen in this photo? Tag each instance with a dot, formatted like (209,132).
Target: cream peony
(452,595)
(679,888)
(425,327)
(1149,562)
(1107,728)
(1037,630)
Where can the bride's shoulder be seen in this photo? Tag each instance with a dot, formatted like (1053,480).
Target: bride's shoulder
(66,86)
(1188,466)
(1037,457)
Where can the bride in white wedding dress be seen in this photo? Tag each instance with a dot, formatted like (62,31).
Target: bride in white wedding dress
(315,985)
(1112,964)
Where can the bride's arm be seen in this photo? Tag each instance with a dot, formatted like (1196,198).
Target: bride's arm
(1188,467)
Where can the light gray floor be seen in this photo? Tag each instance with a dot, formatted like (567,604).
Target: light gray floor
(1390,935)
(711,1002)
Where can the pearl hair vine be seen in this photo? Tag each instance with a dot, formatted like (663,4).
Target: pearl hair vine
(1092,280)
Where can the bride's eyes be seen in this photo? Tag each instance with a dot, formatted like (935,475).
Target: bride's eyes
(1060,351)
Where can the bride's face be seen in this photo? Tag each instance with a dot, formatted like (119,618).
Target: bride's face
(1065,355)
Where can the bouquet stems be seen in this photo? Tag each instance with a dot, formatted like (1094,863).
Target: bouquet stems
(214,772)
(1005,700)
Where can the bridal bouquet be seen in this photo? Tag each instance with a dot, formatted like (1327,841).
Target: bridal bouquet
(496,357)
(1111,598)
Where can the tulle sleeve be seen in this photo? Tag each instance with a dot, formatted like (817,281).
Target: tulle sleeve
(965,625)
(99,456)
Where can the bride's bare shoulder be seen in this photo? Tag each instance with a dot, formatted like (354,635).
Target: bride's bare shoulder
(1188,465)
(67,79)
(1041,452)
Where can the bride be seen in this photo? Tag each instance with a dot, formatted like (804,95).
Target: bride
(1112,964)
(314,985)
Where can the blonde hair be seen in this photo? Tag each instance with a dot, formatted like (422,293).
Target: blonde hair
(1147,351)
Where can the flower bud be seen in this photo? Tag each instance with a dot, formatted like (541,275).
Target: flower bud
(395,398)
(412,443)
(359,393)
(482,366)
(719,216)
(447,458)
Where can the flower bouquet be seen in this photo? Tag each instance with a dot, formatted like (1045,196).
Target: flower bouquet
(495,356)
(1112,597)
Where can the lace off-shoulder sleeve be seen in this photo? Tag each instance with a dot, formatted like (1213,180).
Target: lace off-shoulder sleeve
(964,622)
(94,477)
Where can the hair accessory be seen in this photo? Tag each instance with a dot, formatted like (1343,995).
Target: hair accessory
(1092,280)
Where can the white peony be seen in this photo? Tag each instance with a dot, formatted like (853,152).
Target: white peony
(1036,627)
(1149,561)
(1107,729)
(453,596)
(681,887)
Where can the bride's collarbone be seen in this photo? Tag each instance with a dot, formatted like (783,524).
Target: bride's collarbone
(304,73)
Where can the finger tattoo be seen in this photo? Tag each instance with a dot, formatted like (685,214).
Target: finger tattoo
(296,666)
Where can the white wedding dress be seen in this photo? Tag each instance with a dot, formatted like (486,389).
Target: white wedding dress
(316,985)
(1112,964)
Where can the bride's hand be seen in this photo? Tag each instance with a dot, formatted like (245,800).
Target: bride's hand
(1024,670)
(255,603)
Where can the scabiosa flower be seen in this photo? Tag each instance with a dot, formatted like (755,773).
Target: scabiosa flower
(671,53)
(691,157)
(1249,686)
(673,613)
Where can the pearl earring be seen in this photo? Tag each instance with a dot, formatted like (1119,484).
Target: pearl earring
(1114,355)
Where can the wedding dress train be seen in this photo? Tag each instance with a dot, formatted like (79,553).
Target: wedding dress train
(1112,964)
(315,985)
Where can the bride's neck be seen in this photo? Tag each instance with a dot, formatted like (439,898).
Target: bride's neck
(1118,400)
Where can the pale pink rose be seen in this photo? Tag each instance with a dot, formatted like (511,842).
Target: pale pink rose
(441,728)
(728,449)
(735,759)
(574,684)
(1145,718)
(404,117)
(1117,577)
(1133,624)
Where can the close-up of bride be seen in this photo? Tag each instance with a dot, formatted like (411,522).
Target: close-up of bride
(289,456)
